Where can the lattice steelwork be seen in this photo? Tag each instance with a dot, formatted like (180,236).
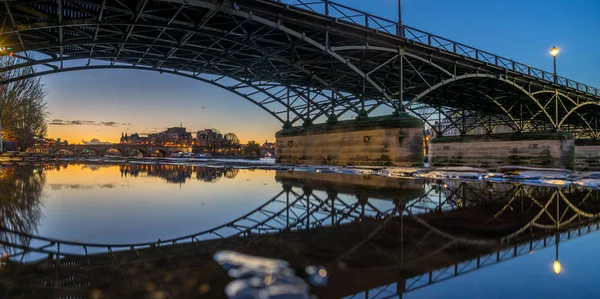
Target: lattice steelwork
(301,61)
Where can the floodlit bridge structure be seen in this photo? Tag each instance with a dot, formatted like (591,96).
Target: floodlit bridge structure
(304,63)
(426,232)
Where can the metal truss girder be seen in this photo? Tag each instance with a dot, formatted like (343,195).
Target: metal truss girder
(269,41)
(296,34)
(485,76)
(92,67)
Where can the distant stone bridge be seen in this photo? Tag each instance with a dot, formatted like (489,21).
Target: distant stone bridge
(102,149)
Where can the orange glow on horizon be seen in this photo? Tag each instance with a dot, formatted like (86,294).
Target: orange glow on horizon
(75,134)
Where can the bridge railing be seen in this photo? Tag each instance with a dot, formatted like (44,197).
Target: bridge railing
(347,14)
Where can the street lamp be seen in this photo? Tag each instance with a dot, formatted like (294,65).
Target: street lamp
(554,52)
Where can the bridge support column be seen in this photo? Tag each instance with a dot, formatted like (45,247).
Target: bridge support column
(527,149)
(386,140)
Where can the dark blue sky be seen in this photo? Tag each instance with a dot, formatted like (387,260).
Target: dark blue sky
(522,30)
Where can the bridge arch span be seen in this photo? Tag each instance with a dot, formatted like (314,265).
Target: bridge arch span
(118,149)
(572,111)
(238,89)
(582,117)
(161,152)
(475,76)
(136,151)
(89,151)
(63,150)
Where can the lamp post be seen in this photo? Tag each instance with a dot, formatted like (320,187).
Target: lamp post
(554,52)
(400,12)
(400,28)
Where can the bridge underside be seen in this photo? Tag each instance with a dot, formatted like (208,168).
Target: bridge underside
(301,63)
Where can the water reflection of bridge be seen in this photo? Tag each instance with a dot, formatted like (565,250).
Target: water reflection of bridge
(372,233)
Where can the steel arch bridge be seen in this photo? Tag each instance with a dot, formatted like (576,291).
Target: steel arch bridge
(301,61)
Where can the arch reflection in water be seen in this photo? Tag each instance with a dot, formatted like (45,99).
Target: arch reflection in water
(372,234)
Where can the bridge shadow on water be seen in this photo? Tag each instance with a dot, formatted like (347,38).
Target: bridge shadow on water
(377,237)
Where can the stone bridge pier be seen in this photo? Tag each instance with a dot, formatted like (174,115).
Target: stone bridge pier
(548,150)
(386,140)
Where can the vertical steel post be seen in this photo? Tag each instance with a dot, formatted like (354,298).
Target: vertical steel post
(556,110)
(555,78)
(402,235)
(308,211)
(362,99)
(521,118)
(308,103)
(464,123)
(440,121)
(332,104)
(401,77)
(287,210)
(595,135)
(332,211)
(440,199)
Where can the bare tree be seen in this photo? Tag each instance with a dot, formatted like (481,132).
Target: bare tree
(252,149)
(22,106)
(231,142)
(214,141)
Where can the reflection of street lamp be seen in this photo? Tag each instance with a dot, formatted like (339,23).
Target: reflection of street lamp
(556,266)
(554,52)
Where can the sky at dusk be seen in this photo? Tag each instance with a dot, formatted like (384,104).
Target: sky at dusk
(110,102)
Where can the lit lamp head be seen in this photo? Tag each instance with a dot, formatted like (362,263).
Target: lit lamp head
(554,51)
(557,267)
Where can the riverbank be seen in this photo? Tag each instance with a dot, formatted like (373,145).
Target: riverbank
(37,157)
(508,174)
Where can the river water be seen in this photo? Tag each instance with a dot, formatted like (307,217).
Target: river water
(457,238)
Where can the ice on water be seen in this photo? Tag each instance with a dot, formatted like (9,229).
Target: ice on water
(526,175)
(257,277)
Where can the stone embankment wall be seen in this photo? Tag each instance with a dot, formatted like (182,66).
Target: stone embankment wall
(387,140)
(587,154)
(550,150)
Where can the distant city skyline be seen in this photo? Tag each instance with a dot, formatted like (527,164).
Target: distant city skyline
(95,140)
(103,103)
